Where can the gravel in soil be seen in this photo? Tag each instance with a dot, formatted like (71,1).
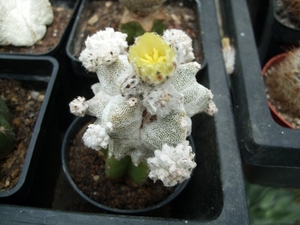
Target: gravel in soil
(24,105)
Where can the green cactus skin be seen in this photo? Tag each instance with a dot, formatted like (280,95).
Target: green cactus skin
(7,138)
(138,174)
(134,29)
(117,169)
(142,16)
(283,81)
(4,111)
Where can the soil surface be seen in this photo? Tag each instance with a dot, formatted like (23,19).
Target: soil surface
(62,16)
(101,14)
(87,169)
(24,105)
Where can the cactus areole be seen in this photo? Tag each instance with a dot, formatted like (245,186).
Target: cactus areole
(144,101)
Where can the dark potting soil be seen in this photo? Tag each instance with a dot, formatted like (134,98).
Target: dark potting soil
(101,14)
(87,169)
(24,105)
(62,16)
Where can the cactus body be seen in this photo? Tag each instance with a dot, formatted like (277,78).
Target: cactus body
(150,94)
(6,137)
(4,111)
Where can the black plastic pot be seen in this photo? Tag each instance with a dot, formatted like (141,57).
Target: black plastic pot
(215,193)
(38,73)
(71,5)
(76,39)
(72,131)
(270,152)
(283,32)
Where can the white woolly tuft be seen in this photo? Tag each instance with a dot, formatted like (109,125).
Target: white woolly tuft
(172,165)
(182,44)
(162,101)
(78,106)
(103,48)
(228,55)
(95,137)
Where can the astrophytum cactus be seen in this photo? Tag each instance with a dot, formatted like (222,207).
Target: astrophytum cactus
(23,22)
(144,101)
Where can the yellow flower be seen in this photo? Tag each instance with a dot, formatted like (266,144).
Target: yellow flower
(152,58)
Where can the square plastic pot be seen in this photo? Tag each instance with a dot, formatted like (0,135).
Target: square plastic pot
(72,6)
(270,152)
(37,73)
(215,193)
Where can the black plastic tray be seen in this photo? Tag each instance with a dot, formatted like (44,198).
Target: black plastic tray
(40,74)
(215,193)
(68,4)
(270,152)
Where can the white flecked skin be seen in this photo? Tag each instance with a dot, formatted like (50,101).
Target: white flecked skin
(24,22)
(139,118)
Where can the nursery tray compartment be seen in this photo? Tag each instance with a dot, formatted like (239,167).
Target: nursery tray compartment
(215,193)
(36,73)
(82,29)
(64,12)
(270,152)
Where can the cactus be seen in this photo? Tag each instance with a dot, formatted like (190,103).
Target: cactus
(283,82)
(143,104)
(292,7)
(142,16)
(28,18)
(6,133)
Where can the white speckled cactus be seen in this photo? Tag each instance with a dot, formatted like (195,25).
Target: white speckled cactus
(144,100)
(23,22)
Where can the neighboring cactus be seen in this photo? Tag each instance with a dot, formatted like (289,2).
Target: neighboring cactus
(142,16)
(292,7)
(6,133)
(283,82)
(28,18)
(143,104)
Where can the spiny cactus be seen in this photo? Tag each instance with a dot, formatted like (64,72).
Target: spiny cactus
(292,7)
(6,132)
(283,82)
(143,104)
